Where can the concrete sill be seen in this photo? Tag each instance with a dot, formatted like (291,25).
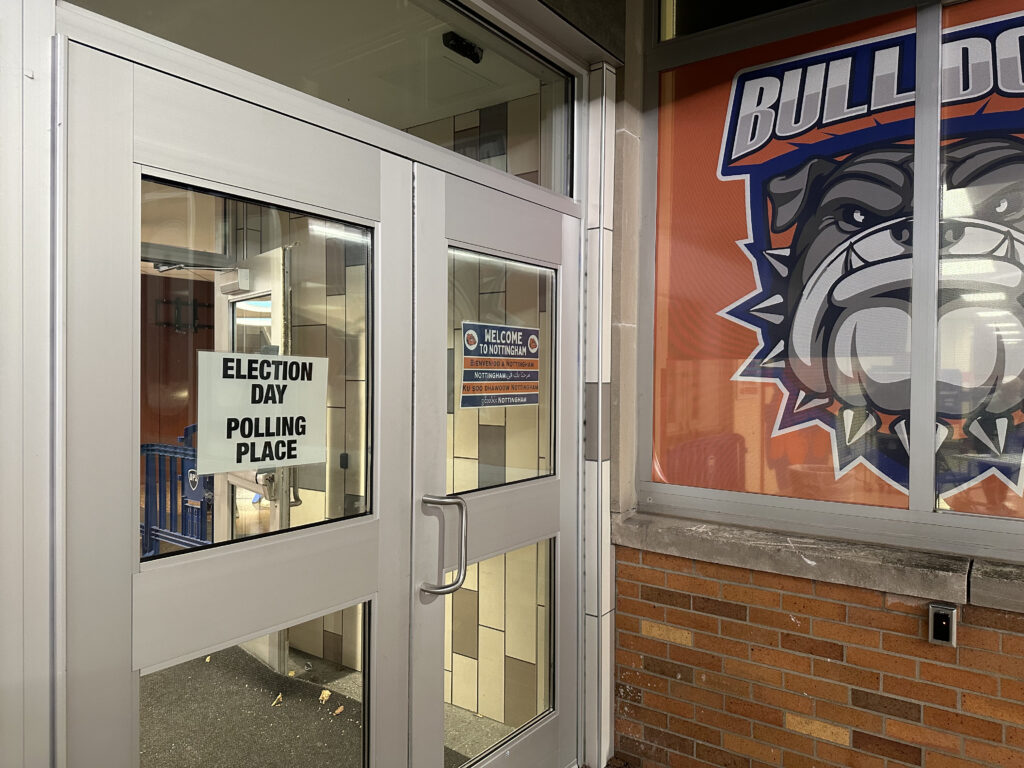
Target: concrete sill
(896,570)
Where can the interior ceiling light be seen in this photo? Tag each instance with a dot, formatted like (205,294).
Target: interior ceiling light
(453,41)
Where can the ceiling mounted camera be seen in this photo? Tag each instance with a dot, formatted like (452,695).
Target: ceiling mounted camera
(460,45)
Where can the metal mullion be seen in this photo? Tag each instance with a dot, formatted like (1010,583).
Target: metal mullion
(924,286)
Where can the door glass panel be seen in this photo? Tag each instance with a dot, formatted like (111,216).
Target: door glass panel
(501,332)
(219,274)
(497,651)
(291,697)
(423,67)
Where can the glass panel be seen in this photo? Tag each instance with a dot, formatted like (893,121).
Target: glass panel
(782,296)
(978,430)
(422,67)
(500,413)
(497,651)
(234,276)
(679,19)
(293,697)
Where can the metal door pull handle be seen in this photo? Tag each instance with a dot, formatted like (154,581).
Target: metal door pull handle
(460,576)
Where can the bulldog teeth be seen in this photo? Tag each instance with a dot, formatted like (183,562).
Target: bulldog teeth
(941,433)
(778,257)
(774,358)
(805,402)
(992,435)
(764,310)
(901,428)
(857,423)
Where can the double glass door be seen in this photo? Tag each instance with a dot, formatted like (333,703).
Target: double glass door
(319,425)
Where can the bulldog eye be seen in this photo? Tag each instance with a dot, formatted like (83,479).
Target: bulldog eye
(1003,206)
(1010,206)
(852,218)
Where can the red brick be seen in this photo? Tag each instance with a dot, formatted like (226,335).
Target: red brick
(848,594)
(958,677)
(894,750)
(723,721)
(1015,737)
(969,726)
(1013,644)
(844,673)
(628,658)
(754,711)
(628,693)
(991,753)
(857,718)
(693,585)
(750,595)
(722,683)
(811,607)
(886,705)
(627,555)
(694,730)
(793,702)
(627,623)
(1010,689)
(996,709)
(918,648)
(787,621)
(631,711)
(794,742)
(639,608)
(938,760)
(723,572)
(638,748)
(668,705)
(719,644)
(926,737)
(631,572)
(697,694)
(763,752)
(756,672)
(890,622)
(667,562)
(666,597)
(917,606)
(668,669)
(816,688)
(993,619)
(702,622)
(783,583)
(910,689)
(843,756)
(781,659)
(694,658)
(983,639)
(744,631)
(668,740)
(804,644)
(718,757)
(642,644)
(846,633)
(720,608)
(627,589)
(639,679)
(629,728)
(881,662)
(992,662)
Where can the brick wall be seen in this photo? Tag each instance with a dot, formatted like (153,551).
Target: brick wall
(722,666)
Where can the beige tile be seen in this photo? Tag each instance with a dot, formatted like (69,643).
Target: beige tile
(466,432)
(352,645)
(492,275)
(448,632)
(520,692)
(440,132)
(492,592)
(492,308)
(465,299)
(497,161)
(464,682)
(313,508)
(521,603)
(465,623)
(522,295)
(336,445)
(492,674)
(466,474)
(308,637)
(308,273)
(333,647)
(447,686)
(543,572)
(333,622)
(543,659)
(336,350)
(449,464)
(355,322)
(355,437)
(466,120)
(309,340)
(492,417)
(521,425)
(818,729)
(273,228)
(524,135)
(666,632)
(471,577)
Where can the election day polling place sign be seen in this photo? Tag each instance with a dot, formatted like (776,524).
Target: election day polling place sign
(260,411)
(500,365)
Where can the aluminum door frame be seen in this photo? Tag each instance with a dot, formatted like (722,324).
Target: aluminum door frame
(117,121)
(454,211)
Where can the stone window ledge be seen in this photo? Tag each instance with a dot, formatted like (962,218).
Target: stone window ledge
(896,570)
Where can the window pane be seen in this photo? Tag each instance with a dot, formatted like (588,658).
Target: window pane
(782,296)
(501,334)
(422,67)
(497,651)
(293,697)
(980,390)
(253,282)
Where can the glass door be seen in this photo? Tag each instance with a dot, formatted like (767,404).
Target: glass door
(495,479)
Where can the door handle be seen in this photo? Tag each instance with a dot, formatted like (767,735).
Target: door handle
(460,575)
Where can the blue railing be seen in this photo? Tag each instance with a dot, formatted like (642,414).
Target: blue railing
(178,501)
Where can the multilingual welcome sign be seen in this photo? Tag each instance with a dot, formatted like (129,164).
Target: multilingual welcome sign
(260,411)
(500,365)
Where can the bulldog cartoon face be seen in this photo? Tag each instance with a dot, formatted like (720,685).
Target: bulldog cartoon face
(849,290)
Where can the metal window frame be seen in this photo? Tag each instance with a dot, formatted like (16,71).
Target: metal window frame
(919,525)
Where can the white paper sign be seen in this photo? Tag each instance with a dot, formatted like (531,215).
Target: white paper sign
(260,411)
